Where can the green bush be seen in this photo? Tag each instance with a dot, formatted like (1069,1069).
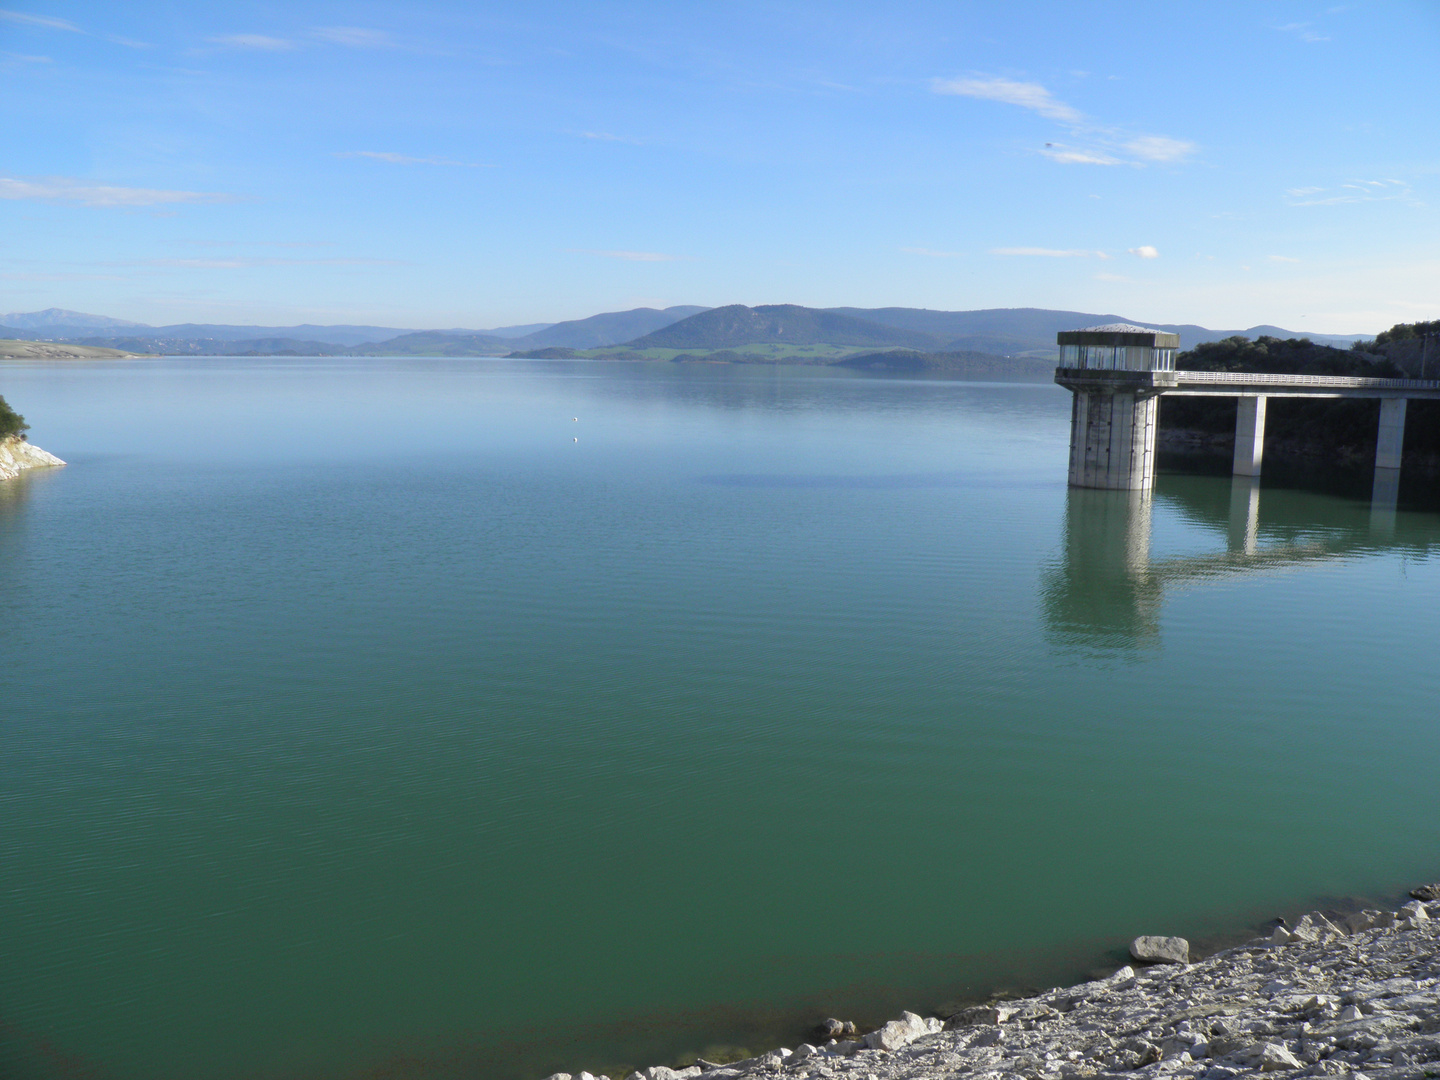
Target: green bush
(11,422)
(1406,331)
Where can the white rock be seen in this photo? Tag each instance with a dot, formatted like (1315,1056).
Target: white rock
(902,1032)
(1276,1057)
(979,1014)
(803,1052)
(1361,920)
(988,1037)
(1161,950)
(16,455)
(1315,927)
(1415,911)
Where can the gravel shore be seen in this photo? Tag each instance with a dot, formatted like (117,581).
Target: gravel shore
(1359,996)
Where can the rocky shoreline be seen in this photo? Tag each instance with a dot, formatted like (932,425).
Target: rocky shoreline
(16,455)
(1331,996)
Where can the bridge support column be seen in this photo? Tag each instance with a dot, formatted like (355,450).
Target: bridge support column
(1112,440)
(1390,442)
(1249,434)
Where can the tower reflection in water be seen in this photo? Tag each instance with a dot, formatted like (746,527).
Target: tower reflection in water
(1108,591)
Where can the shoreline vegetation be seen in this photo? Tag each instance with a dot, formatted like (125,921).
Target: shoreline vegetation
(1337,429)
(16,454)
(1345,991)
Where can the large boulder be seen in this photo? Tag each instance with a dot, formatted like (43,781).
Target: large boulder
(1160,950)
(902,1032)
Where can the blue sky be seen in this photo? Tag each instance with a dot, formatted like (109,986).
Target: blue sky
(468,164)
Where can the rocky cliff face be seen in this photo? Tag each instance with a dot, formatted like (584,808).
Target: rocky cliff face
(17,454)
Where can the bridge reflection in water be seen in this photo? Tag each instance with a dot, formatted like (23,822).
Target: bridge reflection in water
(1107,590)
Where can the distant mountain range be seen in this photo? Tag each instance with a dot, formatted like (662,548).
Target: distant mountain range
(64,321)
(1014,332)
(597,331)
(788,324)
(1021,331)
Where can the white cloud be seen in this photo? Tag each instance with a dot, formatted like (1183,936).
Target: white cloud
(261,243)
(1068,156)
(64,189)
(48,23)
(402,159)
(932,254)
(40,20)
(1354,191)
(1304,31)
(22,58)
(1115,277)
(353,36)
(630,256)
(1144,251)
(1050,253)
(605,136)
(1282,259)
(1101,145)
(1031,96)
(250,263)
(252,41)
(1160,149)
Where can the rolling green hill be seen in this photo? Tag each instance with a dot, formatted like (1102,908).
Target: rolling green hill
(609,328)
(965,364)
(435,343)
(785,324)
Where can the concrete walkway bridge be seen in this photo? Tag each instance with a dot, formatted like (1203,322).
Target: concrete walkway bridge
(1118,373)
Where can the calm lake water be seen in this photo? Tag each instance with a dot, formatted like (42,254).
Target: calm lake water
(358,721)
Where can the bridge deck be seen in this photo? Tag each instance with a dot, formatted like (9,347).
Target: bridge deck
(1245,384)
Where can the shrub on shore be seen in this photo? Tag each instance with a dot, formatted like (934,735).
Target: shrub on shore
(11,422)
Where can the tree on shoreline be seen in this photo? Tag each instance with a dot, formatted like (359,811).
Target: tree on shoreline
(1326,425)
(11,422)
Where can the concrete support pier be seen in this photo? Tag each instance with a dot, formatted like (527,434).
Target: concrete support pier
(1112,440)
(1390,442)
(1249,434)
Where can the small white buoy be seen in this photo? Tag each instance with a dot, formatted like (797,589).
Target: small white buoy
(574,440)
(575,418)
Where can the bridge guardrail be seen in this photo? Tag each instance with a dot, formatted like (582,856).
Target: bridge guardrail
(1351,382)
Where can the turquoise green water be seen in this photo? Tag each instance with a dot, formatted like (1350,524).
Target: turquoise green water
(356,720)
